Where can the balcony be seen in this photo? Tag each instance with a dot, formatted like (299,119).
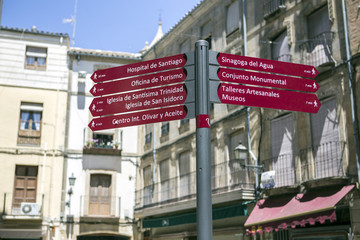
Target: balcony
(318,51)
(100,206)
(273,6)
(22,210)
(323,161)
(226,177)
(96,147)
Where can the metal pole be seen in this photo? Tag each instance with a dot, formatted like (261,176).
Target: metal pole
(203,163)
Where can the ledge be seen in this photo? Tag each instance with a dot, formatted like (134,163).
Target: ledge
(102,151)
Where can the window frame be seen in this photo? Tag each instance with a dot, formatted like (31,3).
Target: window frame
(37,53)
(30,136)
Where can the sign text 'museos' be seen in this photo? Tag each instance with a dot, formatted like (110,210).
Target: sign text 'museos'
(268,98)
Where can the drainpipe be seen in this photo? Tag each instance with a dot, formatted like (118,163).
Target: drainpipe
(248,108)
(353,109)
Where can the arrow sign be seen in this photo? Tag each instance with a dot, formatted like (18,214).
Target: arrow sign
(139,68)
(138,118)
(146,81)
(265,65)
(267,80)
(139,100)
(268,98)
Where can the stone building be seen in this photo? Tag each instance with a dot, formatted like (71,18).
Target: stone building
(312,157)
(100,203)
(33,86)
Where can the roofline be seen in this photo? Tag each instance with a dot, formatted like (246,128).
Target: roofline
(104,54)
(34,31)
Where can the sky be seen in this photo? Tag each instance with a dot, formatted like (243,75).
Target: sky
(115,25)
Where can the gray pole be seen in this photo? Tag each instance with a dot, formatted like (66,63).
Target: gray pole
(203,162)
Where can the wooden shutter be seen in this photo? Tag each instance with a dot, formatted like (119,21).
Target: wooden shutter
(25,185)
(100,194)
(326,144)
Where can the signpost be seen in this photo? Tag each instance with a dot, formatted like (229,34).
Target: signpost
(135,83)
(139,68)
(268,98)
(266,65)
(138,118)
(156,91)
(267,80)
(139,100)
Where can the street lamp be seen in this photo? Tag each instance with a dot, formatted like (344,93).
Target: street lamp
(240,151)
(70,218)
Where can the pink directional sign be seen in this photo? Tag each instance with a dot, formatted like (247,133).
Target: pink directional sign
(139,68)
(138,118)
(139,100)
(265,65)
(268,98)
(267,80)
(134,83)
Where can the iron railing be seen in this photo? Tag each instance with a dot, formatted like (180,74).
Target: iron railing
(271,6)
(29,209)
(100,206)
(316,162)
(226,177)
(318,51)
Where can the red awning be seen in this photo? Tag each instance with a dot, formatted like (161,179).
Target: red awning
(299,210)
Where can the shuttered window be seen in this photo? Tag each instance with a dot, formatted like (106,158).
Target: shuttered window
(35,58)
(280,48)
(184,171)
(25,185)
(164,179)
(282,150)
(232,17)
(326,144)
(100,194)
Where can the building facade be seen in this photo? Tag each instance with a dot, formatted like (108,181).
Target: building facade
(313,156)
(100,203)
(33,86)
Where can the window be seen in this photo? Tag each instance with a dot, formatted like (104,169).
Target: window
(148,133)
(147,185)
(236,166)
(280,48)
(30,124)
(35,58)
(103,140)
(232,17)
(164,179)
(164,128)
(319,45)
(100,194)
(206,33)
(326,143)
(25,185)
(184,171)
(282,150)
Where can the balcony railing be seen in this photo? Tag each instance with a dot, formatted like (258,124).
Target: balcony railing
(226,177)
(322,161)
(317,162)
(21,209)
(272,6)
(318,51)
(99,206)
